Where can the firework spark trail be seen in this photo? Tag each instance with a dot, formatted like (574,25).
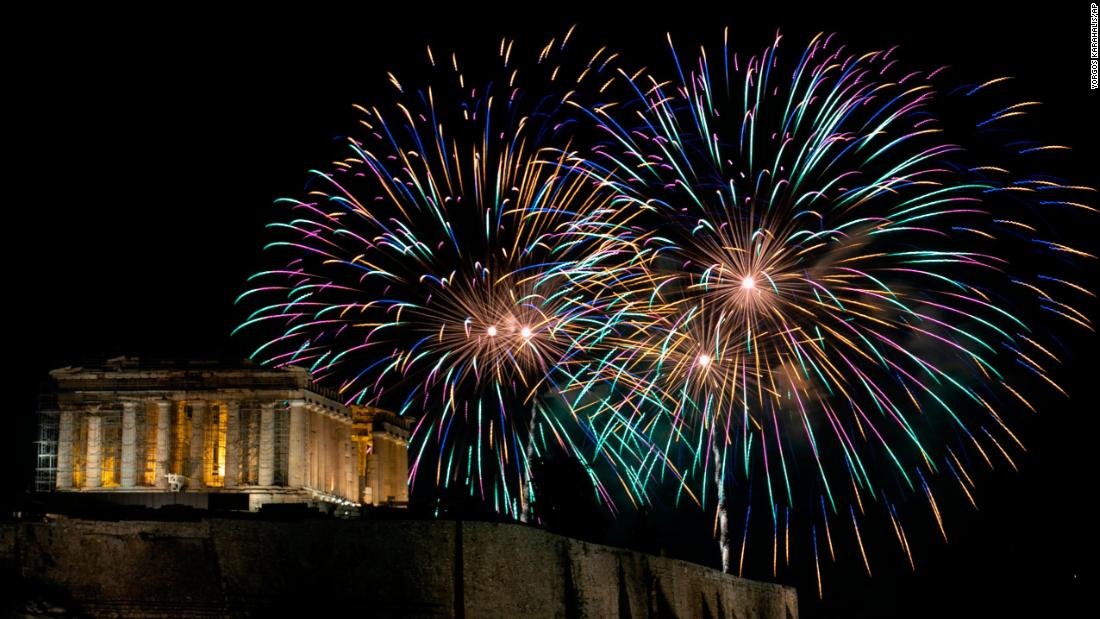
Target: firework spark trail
(825,285)
(781,274)
(446,265)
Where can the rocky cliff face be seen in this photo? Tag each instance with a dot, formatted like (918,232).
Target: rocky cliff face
(230,568)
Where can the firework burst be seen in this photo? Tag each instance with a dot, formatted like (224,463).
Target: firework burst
(792,286)
(829,319)
(446,265)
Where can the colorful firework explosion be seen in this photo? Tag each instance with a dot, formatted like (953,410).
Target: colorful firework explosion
(828,287)
(783,285)
(446,265)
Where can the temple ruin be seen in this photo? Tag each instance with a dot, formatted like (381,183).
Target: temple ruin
(215,436)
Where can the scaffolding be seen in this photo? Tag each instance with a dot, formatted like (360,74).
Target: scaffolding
(45,472)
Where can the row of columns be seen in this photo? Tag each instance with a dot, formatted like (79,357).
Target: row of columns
(387,469)
(318,451)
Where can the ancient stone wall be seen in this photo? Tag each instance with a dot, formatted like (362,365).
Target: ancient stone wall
(229,568)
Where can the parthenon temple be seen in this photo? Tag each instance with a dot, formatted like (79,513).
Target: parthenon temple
(212,435)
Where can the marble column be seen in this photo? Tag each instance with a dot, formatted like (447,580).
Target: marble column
(197,469)
(65,450)
(164,431)
(390,474)
(337,456)
(322,467)
(326,453)
(330,455)
(335,484)
(267,444)
(374,464)
(350,465)
(296,452)
(337,448)
(232,443)
(92,475)
(365,487)
(401,449)
(129,438)
(312,426)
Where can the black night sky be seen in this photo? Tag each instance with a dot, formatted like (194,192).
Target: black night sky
(148,150)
